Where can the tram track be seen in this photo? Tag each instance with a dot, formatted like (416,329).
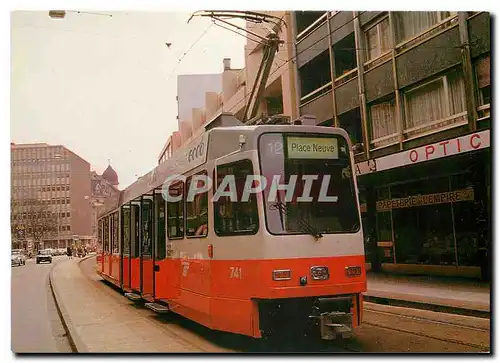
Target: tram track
(407,324)
(443,328)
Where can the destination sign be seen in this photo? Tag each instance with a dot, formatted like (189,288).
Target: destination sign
(312,148)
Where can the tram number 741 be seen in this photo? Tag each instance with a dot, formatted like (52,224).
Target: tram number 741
(235,273)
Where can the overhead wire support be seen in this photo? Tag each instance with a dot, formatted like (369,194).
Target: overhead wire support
(270,46)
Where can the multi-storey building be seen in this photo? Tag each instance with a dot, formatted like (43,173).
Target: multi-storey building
(413,91)
(50,189)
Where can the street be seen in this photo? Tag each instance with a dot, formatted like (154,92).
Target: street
(35,323)
(384,329)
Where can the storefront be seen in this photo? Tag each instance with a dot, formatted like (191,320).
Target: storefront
(430,217)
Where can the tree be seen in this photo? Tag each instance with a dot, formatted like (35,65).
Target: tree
(33,219)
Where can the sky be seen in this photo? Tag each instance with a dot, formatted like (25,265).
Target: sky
(105,87)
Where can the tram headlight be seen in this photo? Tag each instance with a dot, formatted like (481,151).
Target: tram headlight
(320,273)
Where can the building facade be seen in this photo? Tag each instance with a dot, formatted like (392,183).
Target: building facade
(413,91)
(103,187)
(50,189)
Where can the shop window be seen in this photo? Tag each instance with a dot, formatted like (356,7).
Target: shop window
(235,217)
(435,104)
(351,122)
(344,54)
(385,239)
(412,23)
(466,227)
(483,67)
(314,75)
(377,39)
(384,125)
(304,19)
(175,212)
(196,211)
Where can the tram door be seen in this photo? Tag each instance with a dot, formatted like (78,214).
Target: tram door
(125,247)
(147,210)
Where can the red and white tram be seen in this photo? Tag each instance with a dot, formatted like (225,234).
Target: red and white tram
(261,263)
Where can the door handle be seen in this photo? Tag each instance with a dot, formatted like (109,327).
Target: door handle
(156,268)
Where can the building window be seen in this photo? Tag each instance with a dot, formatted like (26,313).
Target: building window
(304,19)
(484,80)
(175,212)
(351,122)
(314,76)
(384,128)
(344,54)
(196,211)
(435,104)
(412,23)
(377,39)
(235,217)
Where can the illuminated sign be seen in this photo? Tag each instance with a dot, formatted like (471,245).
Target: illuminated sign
(312,148)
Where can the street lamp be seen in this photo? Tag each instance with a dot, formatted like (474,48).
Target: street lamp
(61,14)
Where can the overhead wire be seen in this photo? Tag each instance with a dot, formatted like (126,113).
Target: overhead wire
(302,51)
(188,50)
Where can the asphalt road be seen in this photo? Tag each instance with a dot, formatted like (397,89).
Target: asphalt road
(35,323)
(385,329)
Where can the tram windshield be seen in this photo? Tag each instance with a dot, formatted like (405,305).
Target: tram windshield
(312,178)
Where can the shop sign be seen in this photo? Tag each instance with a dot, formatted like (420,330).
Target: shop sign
(426,199)
(459,145)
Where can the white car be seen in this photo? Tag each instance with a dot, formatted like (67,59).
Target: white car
(17,258)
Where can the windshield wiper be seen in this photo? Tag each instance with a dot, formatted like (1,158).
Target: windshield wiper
(305,225)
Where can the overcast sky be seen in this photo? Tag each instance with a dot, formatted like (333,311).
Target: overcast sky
(105,87)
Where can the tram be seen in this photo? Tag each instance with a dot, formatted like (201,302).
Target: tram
(273,245)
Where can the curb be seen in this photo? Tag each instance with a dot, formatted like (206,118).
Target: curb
(77,346)
(427,306)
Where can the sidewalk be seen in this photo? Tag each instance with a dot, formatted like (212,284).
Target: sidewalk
(96,323)
(451,293)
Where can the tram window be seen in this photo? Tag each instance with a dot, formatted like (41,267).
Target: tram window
(99,235)
(160,251)
(111,236)
(197,212)
(175,212)
(233,218)
(147,209)
(115,233)
(134,233)
(126,230)
(105,232)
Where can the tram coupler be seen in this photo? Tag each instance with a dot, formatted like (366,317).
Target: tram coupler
(335,324)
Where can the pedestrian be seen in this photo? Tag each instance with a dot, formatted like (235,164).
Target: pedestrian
(69,252)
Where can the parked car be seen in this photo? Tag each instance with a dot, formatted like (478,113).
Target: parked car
(44,256)
(17,258)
